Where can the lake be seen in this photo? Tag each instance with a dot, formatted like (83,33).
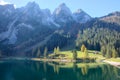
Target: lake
(31,70)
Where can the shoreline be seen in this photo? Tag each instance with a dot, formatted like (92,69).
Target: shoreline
(62,60)
(116,64)
(52,60)
(113,63)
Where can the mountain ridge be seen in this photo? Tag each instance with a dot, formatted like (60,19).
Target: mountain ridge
(28,26)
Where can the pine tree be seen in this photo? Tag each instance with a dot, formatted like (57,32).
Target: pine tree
(45,52)
(74,54)
(38,53)
(114,53)
(103,51)
(34,51)
(83,48)
(86,53)
(77,45)
(55,50)
(108,52)
(58,50)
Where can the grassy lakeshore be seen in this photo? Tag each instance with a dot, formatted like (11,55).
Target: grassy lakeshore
(80,54)
(68,58)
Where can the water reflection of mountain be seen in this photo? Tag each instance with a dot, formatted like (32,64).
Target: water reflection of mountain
(58,71)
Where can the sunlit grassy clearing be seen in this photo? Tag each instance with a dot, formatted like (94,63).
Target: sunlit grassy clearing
(81,54)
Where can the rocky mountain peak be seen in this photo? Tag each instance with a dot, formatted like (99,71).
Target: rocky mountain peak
(62,8)
(32,4)
(79,11)
(62,14)
(80,16)
(117,13)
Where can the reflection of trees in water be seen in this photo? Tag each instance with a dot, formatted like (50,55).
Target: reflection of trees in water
(45,67)
(117,72)
(83,72)
(38,66)
(35,66)
(110,72)
(100,72)
(75,67)
(85,69)
(56,68)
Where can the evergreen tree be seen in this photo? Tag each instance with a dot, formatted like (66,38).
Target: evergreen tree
(86,53)
(83,48)
(114,53)
(34,51)
(55,50)
(74,54)
(38,53)
(58,50)
(109,52)
(77,45)
(45,52)
(103,51)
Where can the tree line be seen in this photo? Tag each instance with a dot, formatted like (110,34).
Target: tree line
(102,39)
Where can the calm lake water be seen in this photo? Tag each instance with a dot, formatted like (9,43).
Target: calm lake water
(29,70)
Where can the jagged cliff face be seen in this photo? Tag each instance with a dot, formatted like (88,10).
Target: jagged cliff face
(30,26)
(62,14)
(23,22)
(17,23)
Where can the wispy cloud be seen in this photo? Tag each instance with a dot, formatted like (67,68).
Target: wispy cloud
(2,2)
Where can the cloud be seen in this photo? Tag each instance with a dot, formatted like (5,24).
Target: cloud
(3,2)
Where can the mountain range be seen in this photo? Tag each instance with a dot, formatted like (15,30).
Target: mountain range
(27,28)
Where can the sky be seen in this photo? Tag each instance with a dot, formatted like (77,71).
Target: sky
(95,8)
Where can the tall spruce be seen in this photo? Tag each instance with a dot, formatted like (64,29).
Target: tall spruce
(38,53)
(74,54)
(86,55)
(45,52)
(114,53)
(55,50)
(58,50)
(83,48)
(34,50)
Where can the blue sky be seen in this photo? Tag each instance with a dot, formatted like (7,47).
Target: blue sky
(94,8)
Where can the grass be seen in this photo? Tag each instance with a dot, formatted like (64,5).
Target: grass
(99,57)
(69,54)
(80,54)
(114,59)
